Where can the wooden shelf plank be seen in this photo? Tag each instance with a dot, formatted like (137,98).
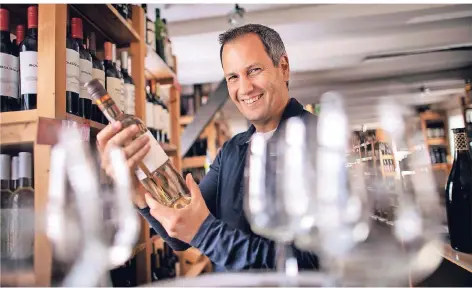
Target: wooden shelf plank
(170,149)
(460,259)
(193,162)
(17,278)
(157,69)
(440,166)
(18,127)
(197,268)
(108,21)
(185,120)
(92,124)
(436,141)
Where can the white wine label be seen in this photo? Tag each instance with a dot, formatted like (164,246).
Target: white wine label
(129,99)
(72,71)
(149,114)
(29,72)
(157,117)
(100,75)
(8,75)
(114,89)
(154,159)
(85,76)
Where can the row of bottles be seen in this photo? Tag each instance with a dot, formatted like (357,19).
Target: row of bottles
(435,132)
(164,263)
(125,275)
(157,114)
(199,148)
(438,154)
(17,209)
(388,165)
(157,37)
(19,64)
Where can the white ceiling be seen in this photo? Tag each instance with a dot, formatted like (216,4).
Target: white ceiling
(327,46)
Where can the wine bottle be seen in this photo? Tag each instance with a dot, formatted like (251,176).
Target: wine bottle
(98,72)
(159,35)
(20,36)
(85,64)
(112,78)
(14,173)
(129,85)
(155,172)
(458,195)
(9,66)
(5,193)
(150,112)
(72,75)
(22,214)
(157,111)
(168,46)
(150,30)
(29,62)
(117,65)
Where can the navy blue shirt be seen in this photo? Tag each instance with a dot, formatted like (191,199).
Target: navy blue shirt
(225,236)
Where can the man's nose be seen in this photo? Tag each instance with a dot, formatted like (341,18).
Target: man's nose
(245,86)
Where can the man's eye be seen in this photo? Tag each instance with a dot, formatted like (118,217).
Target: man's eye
(231,78)
(254,70)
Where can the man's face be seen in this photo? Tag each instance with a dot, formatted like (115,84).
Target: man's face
(254,84)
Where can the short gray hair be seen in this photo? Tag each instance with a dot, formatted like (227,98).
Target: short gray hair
(273,44)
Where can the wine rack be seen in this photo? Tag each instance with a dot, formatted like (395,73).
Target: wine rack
(20,129)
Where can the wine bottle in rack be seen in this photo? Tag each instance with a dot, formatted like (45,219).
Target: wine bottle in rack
(14,173)
(98,72)
(20,36)
(112,80)
(129,87)
(458,195)
(150,30)
(168,47)
(157,117)
(85,64)
(5,193)
(117,64)
(150,112)
(72,75)
(21,224)
(9,66)
(155,172)
(29,62)
(159,35)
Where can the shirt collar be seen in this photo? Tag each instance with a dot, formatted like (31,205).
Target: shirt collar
(293,108)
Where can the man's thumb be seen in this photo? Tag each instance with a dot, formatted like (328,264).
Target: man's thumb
(192,185)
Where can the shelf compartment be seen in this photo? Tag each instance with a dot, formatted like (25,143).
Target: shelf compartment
(193,162)
(18,127)
(108,22)
(157,69)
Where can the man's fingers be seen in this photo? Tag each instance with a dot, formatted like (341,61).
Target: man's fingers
(157,208)
(107,133)
(124,136)
(135,146)
(138,156)
(192,186)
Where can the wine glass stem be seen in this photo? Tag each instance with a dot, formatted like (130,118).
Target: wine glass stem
(286,260)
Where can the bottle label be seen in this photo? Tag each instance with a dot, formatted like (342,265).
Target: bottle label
(72,71)
(9,75)
(129,99)
(154,159)
(114,90)
(122,95)
(85,76)
(29,72)
(157,117)
(149,114)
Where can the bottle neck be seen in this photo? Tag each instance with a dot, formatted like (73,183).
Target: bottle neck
(25,183)
(33,32)
(5,35)
(5,184)
(80,41)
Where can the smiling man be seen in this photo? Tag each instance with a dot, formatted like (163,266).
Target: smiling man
(256,70)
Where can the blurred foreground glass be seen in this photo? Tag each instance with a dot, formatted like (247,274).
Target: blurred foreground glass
(352,247)
(74,222)
(276,194)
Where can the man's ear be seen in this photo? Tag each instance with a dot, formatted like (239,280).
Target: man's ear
(285,67)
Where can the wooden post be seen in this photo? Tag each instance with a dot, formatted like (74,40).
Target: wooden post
(52,104)
(174,111)
(138,53)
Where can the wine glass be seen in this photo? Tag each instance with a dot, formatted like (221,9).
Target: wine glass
(276,194)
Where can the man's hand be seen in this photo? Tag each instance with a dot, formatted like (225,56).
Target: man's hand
(134,151)
(184,223)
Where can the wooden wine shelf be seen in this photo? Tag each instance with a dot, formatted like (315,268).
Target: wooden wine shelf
(193,162)
(92,124)
(108,21)
(185,120)
(440,166)
(157,69)
(436,141)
